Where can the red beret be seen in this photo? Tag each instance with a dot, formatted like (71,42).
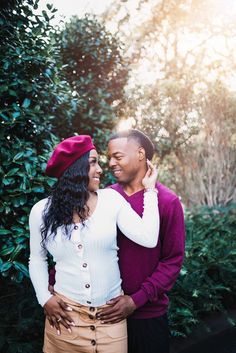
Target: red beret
(67,152)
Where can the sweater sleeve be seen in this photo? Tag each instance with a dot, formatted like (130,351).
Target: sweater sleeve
(172,243)
(38,266)
(143,231)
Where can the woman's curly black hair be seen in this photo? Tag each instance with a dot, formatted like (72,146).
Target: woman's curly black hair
(69,195)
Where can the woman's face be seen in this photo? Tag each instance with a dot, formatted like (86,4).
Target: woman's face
(94,172)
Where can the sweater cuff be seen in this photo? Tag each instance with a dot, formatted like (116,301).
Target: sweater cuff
(140,298)
(44,298)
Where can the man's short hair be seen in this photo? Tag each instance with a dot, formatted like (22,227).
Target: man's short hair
(138,136)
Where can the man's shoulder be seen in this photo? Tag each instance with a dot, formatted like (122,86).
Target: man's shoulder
(168,199)
(166,193)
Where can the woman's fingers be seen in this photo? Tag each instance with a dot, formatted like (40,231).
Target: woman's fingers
(56,311)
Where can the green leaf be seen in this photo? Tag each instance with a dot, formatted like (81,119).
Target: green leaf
(12,172)
(51,182)
(45,15)
(16,251)
(5,231)
(7,251)
(38,189)
(26,103)
(6,266)
(16,115)
(17,229)
(18,156)
(8,181)
(21,267)
(12,93)
(4,117)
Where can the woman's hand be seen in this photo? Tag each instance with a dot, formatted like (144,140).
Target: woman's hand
(150,178)
(56,310)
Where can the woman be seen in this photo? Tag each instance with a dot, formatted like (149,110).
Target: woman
(77,226)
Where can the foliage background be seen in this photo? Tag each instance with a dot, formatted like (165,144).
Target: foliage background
(55,82)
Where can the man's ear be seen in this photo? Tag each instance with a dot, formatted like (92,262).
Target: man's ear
(142,154)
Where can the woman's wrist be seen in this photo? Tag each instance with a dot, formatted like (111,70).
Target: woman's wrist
(151,189)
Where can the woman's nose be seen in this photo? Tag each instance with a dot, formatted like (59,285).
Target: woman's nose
(99,169)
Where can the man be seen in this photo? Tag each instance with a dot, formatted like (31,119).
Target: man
(147,274)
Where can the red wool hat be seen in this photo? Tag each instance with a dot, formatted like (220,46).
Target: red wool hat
(67,152)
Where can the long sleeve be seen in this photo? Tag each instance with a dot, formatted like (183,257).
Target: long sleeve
(143,231)
(164,275)
(38,266)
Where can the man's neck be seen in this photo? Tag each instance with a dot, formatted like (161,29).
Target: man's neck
(133,186)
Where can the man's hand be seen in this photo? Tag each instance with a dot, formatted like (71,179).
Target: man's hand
(51,288)
(122,307)
(56,310)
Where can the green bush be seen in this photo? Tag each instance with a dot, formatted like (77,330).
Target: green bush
(205,284)
(21,318)
(32,90)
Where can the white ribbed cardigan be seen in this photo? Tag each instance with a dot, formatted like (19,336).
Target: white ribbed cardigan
(87,264)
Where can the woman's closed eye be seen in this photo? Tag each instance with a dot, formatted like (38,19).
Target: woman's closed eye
(93,161)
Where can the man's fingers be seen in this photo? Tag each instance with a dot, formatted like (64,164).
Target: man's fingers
(108,311)
(114,300)
(113,320)
(109,316)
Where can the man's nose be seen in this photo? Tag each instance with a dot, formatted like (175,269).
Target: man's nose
(112,162)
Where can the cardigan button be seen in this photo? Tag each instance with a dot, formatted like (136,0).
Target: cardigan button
(76,227)
(93,342)
(87,285)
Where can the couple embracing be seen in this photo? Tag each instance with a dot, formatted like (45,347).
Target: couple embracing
(117,251)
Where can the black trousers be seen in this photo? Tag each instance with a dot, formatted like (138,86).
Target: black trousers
(148,335)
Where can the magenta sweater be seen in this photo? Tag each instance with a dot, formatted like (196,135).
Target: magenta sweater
(148,274)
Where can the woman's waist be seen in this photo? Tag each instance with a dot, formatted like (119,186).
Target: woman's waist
(95,298)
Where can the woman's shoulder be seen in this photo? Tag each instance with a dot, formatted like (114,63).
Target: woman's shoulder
(110,194)
(39,206)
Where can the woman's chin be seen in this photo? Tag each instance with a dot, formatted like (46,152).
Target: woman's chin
(93,188)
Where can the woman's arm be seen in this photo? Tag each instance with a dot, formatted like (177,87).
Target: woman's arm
(54,307)
(143,231)
(38,266)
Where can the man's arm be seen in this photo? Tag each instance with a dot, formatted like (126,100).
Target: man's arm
(165,274)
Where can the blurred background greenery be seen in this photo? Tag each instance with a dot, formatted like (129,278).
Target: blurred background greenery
(165,67)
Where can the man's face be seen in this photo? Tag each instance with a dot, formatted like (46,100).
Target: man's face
(124,159)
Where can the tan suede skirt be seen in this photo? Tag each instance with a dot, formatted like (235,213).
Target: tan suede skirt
(88,335)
